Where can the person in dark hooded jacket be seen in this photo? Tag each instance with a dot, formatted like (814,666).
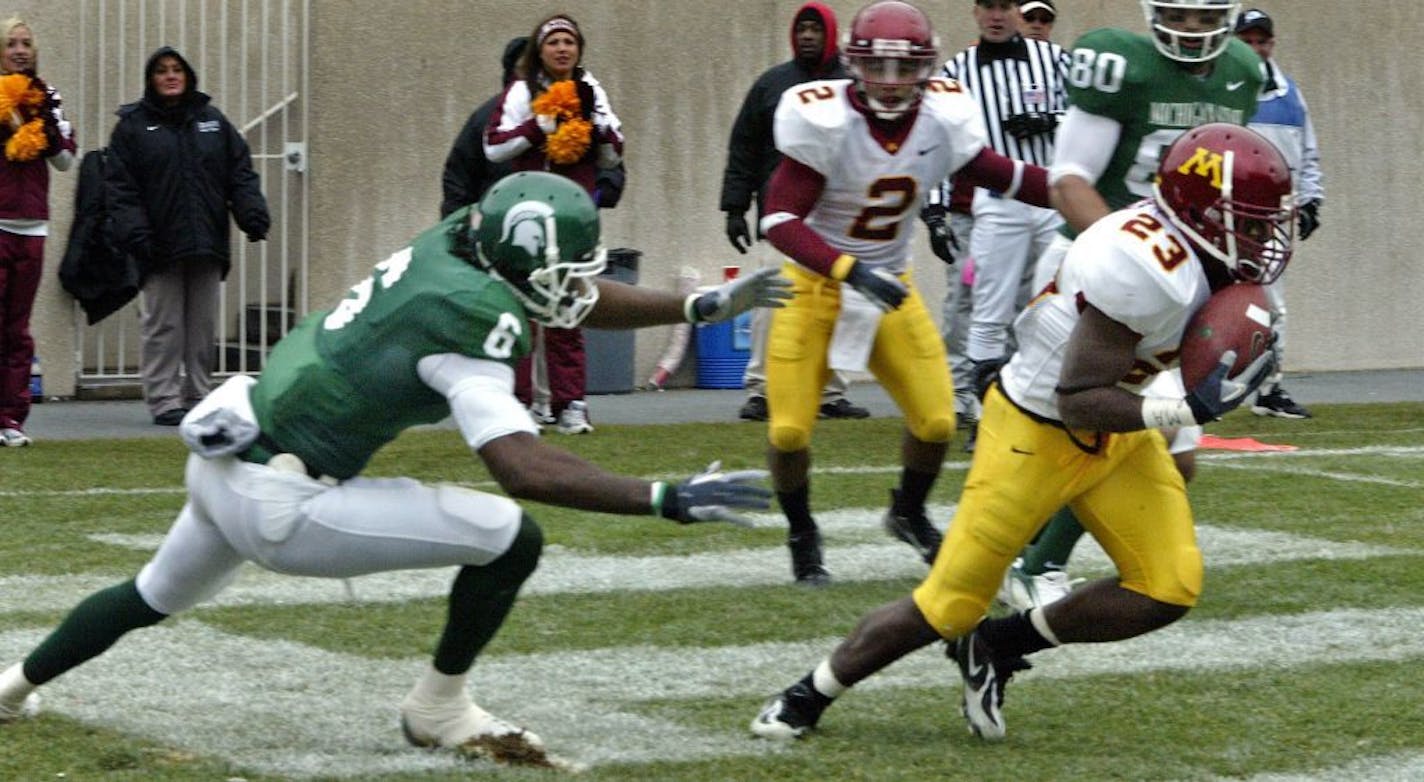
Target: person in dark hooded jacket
(176,168)
(468,173)
(751,157)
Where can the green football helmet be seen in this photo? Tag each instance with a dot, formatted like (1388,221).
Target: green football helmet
(539,233)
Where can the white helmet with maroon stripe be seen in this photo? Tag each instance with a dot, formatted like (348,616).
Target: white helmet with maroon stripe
(890,51)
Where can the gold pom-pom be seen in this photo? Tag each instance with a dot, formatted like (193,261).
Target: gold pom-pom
(16,92)
(561,100)
(12,89)
(26,143)
(569,143)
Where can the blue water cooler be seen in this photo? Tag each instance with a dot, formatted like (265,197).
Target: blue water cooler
(722,352)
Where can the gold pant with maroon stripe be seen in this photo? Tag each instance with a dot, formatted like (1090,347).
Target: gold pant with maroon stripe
(907,358)
(1129,495)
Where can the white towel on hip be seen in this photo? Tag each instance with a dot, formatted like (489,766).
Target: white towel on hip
(854,336)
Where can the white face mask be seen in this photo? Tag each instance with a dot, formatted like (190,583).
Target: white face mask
(1180,41)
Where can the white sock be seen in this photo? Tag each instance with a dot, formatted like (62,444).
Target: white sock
(826,682)
(14,687)
(436,687)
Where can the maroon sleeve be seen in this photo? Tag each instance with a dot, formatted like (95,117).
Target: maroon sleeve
(794,189)
(497,142)
(996,172)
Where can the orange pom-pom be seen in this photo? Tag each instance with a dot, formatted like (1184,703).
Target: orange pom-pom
(20,103)
(569,143)
(560,100)
(26,143)
(16,91)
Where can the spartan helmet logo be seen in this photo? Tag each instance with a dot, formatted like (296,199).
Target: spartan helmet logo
(529,225)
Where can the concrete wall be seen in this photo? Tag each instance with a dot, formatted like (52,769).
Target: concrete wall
(390,89)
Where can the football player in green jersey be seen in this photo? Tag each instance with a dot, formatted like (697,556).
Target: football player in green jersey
(1130,96)
(434,331)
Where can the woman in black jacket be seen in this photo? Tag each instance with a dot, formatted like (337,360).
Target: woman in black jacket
(176,168)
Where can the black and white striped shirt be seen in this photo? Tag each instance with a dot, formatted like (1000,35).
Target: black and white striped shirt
(1015,77)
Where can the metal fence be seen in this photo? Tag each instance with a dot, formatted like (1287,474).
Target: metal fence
(251,56)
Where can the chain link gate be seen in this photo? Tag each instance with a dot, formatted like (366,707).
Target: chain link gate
(251,57)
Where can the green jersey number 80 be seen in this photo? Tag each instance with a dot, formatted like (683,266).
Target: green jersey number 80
(1101,71)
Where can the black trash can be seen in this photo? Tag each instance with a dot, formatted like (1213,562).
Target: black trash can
(611,353)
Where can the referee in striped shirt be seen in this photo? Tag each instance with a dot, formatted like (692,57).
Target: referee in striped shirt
(1019,84)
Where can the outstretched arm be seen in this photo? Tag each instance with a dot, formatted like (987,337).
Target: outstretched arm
(623,306)
(493,422)
(1013,178)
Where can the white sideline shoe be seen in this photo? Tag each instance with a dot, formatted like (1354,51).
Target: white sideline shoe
(1021,591)
(542,415)
(14,438)
(574,419)
(470,731)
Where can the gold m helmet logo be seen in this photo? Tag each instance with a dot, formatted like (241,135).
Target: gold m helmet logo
(1204,163)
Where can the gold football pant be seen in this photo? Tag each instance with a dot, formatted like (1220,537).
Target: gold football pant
(907,358)
(1129,495)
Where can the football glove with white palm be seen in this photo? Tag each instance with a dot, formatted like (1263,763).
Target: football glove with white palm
(1216,394)
(762,288)
(712,495)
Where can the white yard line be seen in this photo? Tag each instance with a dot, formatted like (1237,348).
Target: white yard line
(856,551)
(1343,477)
(1399,767)
(290,709)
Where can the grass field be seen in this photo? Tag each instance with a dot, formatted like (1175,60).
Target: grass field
(642,649)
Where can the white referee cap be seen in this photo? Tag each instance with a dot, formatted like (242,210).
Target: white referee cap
(1038,5)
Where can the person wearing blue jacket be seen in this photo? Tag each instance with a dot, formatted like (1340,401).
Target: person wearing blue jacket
(1283,117)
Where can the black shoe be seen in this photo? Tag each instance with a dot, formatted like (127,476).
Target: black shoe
(913,528)
(984,679)
(843,408)
(1278,403)
(807,563)
(790,714)
(754,409)
(170,417)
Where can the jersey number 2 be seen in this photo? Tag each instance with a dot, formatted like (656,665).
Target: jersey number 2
(890,197)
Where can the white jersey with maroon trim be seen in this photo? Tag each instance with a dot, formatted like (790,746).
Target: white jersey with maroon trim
(1136,268)
(872,187)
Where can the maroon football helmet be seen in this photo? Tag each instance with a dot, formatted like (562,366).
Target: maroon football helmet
(1229,190)
(890,51)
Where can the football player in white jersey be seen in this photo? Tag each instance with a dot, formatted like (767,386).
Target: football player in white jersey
(859,154)
(1067,425)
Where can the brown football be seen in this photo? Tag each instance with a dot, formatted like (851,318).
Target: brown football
(1237,317)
